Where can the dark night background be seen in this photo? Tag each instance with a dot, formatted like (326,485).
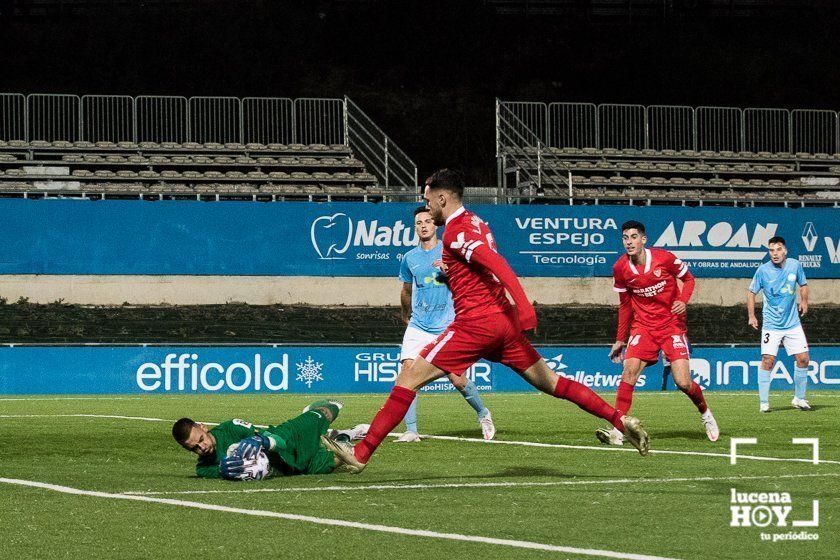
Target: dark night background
(428,72)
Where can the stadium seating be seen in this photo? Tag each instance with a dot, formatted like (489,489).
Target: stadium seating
(582,152)
(707,177)
(189,170)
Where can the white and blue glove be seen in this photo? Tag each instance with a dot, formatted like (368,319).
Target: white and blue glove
(249,448)
(232,468)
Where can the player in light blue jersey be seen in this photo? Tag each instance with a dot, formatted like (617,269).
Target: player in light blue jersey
(426,305)
(780,320)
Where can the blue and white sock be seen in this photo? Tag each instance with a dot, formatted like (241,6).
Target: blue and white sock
(763,386)
(411,417)
(800,382)
(470,392)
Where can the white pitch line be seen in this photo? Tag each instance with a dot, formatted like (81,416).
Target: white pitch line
(607,448)
(626,449)
(344,488)
(339,522)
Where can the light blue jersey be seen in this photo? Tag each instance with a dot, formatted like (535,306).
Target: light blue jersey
(431,300)
(779,285)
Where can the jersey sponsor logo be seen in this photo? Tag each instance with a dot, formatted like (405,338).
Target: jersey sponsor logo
(650,291)
(185,372)
(692,239)
(333,235)
(242,423)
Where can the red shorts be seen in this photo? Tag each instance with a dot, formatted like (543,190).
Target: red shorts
(645,344)
(494,337)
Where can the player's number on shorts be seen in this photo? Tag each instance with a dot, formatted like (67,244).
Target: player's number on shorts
(766,337)
(634,340)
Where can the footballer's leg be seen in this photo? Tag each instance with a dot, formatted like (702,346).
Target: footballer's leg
(390,415)
(543,378)
(469,391)
(623,399)
(411,434)
(797,346)
(681,372)
(800,381)
(329,408)
(519,355)
(767,363)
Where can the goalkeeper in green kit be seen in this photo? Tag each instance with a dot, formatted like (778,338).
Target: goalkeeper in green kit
(236,450)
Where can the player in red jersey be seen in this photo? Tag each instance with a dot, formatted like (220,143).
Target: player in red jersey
(652,312)
(486,325)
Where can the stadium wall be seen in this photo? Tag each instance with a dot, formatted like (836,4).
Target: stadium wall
(108,252)
(320,290)
(349,369)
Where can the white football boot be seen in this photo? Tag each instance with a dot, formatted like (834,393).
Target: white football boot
(710,424)
(488,429)
(801,404)
(359,431)
(408,437)
(764,407)
(609,437)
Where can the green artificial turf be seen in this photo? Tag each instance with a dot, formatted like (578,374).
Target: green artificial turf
(550,495)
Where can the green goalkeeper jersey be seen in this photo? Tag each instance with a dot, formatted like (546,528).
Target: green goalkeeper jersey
(295,446)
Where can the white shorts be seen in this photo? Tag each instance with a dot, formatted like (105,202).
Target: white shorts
(793,339)
(414,340)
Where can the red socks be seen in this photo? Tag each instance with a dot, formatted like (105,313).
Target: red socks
(624,397)
(586,398)
(695,393)
(391,414)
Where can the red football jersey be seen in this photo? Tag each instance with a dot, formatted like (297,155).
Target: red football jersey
(475,290)
(653,289)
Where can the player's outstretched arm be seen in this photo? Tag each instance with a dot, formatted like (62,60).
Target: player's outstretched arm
(751,320)
(804,293)
(687,289)
(405,301)
(625,314)
(495,263)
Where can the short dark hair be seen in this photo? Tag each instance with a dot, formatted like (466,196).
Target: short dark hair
(777,239)
(633,224)
(447,179)
(182,429)
(420,210)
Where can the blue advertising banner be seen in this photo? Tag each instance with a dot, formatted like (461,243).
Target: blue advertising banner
(361,239)
(313,369)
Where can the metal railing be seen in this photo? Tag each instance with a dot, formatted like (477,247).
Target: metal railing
(382,157)
(522,154)
(674,127)
(160,118)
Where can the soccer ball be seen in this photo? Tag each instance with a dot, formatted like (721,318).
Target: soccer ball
(256,468)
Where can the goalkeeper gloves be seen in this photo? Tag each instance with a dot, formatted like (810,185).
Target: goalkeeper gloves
(232,468)
(250,447)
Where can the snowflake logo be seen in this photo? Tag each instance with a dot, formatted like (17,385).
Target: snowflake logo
(309,371)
